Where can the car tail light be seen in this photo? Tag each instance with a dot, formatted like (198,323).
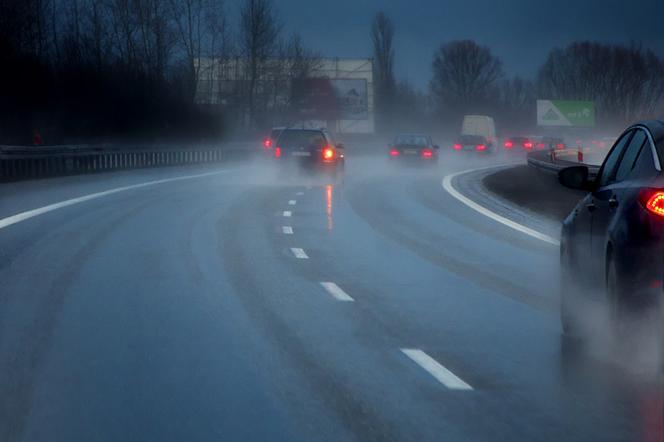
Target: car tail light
(328,153)
(457,146)
(267,143)
(528,144)
(509,144)
(560,146)
(653,201)
(394,152)
(427,153)
(540,145)
(277,152)
(480,147)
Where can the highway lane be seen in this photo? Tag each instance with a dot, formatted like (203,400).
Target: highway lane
(195,310)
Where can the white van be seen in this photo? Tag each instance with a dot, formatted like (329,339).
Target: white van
(480,125)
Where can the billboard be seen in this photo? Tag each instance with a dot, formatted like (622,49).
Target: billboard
(331,99)
(563,113)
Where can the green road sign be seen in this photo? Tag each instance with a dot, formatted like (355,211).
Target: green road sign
(565,113)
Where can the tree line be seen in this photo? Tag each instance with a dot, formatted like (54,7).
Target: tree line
(625,82)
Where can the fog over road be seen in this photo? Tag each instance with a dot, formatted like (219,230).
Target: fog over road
(247,304)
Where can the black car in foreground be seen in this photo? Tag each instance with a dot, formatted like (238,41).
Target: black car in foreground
(612,244)
(415,147)
(309,148)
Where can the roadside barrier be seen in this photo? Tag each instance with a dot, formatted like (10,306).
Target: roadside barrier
(20,163)
(556,160)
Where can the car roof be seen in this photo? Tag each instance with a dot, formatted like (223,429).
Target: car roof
(656,129)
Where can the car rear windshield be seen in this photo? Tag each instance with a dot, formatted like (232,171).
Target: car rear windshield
(472,139)
(411,140)
(290,139)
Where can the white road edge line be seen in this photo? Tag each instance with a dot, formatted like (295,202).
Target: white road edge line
(431,366)
(23,216)
(336,292)
(288,230)
(287,213)
(292,202)
(299,253)
(447,185)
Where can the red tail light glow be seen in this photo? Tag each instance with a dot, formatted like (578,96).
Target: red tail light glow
(560,146)
(457,146)
(277,152)
(653,201)
(480,147)
(540,145)
(528,145)
(394,152)
(509,144)
(328,153)
(427,153)
(267,143)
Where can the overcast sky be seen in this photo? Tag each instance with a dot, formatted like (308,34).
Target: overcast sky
(520,32)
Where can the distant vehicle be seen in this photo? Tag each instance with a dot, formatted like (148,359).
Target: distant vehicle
(413,147)
(476,143)
(268,142)
(309,148)
(550,143)
(612,244)
(520,142)
(480,125)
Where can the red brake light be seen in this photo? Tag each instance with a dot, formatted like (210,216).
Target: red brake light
(267,143)
(480,147)
(560,146)
(540,145)
(509,144)
(528,144)
(277,152)
(394,152)
(653,201)
(328,153)
(457,146)
(427,153)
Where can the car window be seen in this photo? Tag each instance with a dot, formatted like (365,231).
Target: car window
(411,140)
(301,138)
(472,139)
(609,166)
(644,166)
(630,155)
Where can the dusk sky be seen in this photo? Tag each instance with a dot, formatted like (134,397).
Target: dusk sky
(520,32)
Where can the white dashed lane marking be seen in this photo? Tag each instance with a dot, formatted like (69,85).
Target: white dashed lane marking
(299,253)
(288,213)
(431,366)
(288,230)
(336,292)
(292,202)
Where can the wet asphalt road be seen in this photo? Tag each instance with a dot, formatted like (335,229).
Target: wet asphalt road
(193,310)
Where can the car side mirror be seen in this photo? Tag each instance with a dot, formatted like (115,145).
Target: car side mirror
(575,177)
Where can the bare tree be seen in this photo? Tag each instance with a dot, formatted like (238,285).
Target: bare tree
(259,32)
(382,37)
(464,75)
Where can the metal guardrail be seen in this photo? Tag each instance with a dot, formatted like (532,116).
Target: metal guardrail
(18,162)
(552,161)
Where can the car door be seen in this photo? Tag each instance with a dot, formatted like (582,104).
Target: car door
(607,197)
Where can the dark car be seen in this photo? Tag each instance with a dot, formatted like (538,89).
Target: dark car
(310,148)
(413,147)
(612,244)
(268,142)
(525,143)
(476,143)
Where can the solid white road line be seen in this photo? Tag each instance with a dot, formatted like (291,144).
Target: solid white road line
(442,374)
(447,185)
(299,253)
(336,292)
(288,213)
(19,217)
(288,230)
(292,202)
